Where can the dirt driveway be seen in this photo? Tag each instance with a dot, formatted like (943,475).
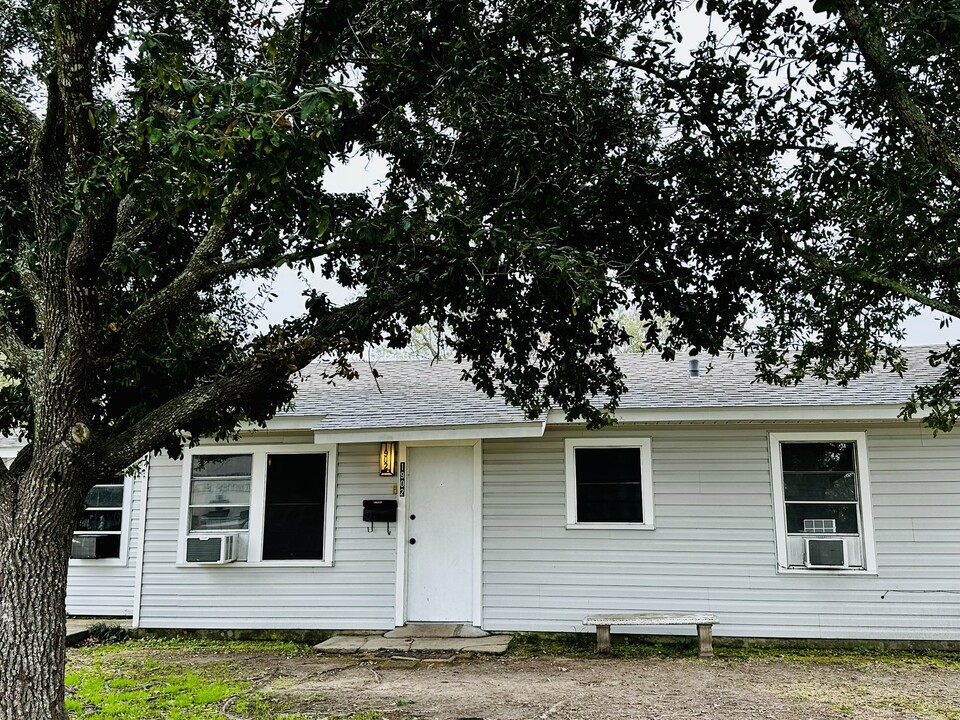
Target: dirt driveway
(601,689)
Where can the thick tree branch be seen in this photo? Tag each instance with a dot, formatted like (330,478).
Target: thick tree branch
(18,114)
(32,285)
(23,459)
(874,48)
(83,24)
(344,330)
(195,276)
(860,275)
(17,352)
(261,262)
(45,186)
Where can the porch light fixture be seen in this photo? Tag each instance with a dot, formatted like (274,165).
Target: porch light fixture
(388,459)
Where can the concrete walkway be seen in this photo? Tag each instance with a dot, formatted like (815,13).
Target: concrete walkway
(420,637)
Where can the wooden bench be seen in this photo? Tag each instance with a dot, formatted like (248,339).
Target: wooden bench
(703,621)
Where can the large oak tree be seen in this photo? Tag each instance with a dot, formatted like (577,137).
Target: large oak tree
(549,163)
(154,153)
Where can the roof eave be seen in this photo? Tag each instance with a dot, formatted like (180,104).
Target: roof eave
(757,413)
(485,431)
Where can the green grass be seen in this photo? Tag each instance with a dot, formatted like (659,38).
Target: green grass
(585,645)
(638,646)
(127,690)
(155,679)
(851,656)
(206,645)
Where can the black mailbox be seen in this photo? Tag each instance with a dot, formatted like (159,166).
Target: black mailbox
(375,511)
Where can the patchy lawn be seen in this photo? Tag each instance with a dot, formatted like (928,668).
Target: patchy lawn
(543,678)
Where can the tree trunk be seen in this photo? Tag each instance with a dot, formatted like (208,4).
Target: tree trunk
(35,533)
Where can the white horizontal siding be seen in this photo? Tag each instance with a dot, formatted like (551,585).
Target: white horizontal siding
(105,588)
(714,546)
(357,592)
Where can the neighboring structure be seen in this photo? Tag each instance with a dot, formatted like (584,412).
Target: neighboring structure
(807,512)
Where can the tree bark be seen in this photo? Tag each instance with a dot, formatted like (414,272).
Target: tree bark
(34,552)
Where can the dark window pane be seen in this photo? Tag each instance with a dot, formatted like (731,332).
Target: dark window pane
(825,485)
(221,465)
(106,495)
(609,503)
(106,520)
(818,456)
(294,507)
(845,516)
(608,485)
(219,518)
(607,465)
(293,532)
(296,478)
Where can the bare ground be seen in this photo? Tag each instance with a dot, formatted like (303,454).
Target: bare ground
(653,689)
(557,688)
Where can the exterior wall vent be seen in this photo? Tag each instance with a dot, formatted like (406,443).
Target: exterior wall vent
(694,367)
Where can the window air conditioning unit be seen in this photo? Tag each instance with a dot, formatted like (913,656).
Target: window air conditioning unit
(212,549)
(94,547)
(825,553)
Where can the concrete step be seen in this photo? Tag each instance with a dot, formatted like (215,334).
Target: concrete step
(437,630)
(348,644)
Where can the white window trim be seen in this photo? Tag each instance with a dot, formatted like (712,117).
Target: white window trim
(646,481)
(125,521)
(258,485)
(866,504)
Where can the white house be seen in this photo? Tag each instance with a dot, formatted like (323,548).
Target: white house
(805,512)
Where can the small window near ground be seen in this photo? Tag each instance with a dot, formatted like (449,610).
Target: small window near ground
(99,528)
(609,483)
(822,497)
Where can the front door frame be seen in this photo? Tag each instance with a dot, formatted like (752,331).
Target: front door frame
(403,528)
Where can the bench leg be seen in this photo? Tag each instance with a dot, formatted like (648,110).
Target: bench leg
(705,634)
(603,639)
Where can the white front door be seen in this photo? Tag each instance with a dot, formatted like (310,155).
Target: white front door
(439,506)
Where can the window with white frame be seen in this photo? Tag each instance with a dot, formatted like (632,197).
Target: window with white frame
(822,496)
(279,501)
(609,482)
(100,528)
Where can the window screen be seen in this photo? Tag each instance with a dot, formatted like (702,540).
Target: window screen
(820,487)
(609,484)
(294,506)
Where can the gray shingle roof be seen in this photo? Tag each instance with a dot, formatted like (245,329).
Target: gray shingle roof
(730,383)
(420,394)
(410,394)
